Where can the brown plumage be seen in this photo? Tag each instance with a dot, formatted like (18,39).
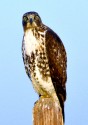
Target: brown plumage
(57,64)
(44,58)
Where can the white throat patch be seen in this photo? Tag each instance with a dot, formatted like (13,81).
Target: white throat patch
(30,42)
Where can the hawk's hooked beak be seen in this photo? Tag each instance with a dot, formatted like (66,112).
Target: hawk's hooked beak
(31,21)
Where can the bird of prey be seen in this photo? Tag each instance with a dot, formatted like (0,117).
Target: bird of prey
(44,58)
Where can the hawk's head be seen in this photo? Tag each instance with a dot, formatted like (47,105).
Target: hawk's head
(31,20)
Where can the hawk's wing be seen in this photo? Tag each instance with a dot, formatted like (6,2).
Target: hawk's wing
(57,63)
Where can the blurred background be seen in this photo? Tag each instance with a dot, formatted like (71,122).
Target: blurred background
(69,19)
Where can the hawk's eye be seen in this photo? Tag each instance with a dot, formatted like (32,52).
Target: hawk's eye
(25,19)
(36,17)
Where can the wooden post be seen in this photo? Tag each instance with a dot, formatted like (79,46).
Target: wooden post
(46,112)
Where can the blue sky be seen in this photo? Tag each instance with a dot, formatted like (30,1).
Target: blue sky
(69,19)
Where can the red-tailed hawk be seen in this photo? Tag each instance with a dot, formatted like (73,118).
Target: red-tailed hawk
(44,58)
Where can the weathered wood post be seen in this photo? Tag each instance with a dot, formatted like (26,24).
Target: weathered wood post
(46,112)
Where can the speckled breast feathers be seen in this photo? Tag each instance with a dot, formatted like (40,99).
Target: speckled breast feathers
(36,61)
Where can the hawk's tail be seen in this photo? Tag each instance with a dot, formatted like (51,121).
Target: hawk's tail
(61,94)
(62,106)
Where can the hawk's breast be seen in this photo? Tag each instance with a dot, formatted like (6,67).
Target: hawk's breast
(30,42)
(36,61)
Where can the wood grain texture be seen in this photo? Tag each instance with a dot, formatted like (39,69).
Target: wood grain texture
(47,112)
